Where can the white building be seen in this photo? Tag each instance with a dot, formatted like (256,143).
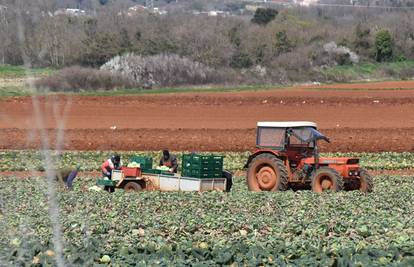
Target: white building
(73,12)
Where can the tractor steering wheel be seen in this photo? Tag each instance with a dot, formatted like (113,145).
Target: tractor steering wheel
(304,152)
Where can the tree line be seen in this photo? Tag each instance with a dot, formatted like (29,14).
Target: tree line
(283,41)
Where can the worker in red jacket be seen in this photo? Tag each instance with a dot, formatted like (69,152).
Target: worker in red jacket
(113,163)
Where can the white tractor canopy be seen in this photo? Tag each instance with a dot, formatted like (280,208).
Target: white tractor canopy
(286,124)
(278,134)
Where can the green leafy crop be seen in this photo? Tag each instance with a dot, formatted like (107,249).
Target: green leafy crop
(91,160)
(239,228)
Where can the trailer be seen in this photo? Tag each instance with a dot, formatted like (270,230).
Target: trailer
(134,179)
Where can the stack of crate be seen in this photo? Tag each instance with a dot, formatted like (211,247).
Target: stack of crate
(202,166)
(144,162)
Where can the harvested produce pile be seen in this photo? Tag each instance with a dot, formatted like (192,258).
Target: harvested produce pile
(297,228)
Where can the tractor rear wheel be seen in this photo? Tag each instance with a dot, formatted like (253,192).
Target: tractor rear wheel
(132,187)
(366,183)
(267,173)
(327,179)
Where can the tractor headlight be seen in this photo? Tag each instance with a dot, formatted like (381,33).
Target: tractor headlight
(353,173)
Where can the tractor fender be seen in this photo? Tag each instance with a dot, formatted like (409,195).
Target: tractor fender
(262,151)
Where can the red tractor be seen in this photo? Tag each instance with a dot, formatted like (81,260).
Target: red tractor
(287,156)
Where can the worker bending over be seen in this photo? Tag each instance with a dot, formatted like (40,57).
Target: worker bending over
(169,161)
(113,163)
(66,176)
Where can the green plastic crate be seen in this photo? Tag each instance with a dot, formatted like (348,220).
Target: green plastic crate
(202,174)
(152,171)
(202,163)
(104,182)
(145,162)
(155,171)
(211,160)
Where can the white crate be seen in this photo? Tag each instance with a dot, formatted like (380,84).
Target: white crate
(117,175)
(188,184)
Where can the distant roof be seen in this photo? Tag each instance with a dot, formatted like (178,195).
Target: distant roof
(285,124)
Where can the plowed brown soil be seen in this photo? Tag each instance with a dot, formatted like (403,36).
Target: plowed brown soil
(355,120)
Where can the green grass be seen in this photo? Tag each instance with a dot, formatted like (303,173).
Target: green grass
(24,91)
(359,89)
(12,80)
(366,70)
(11,91)
(8,91)
(7,71)
(170,90)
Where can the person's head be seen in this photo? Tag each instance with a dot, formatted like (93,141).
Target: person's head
(165,154)
(116,158)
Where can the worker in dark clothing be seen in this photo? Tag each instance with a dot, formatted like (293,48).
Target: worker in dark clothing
(169,160)
(67,176)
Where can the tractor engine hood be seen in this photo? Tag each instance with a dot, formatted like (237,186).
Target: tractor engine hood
(332,161)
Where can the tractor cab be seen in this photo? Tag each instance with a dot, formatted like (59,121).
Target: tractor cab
(287,153)
(295,140)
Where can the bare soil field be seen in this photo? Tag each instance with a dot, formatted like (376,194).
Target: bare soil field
(375,117)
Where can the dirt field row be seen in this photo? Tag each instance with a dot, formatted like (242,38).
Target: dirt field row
(355,120)
(343,140)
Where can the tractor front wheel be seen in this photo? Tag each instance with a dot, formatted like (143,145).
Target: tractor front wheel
(366,183)
(132,187)
(327,179)
(267,173)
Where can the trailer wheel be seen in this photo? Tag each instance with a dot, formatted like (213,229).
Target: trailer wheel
(132,187)
(327,179)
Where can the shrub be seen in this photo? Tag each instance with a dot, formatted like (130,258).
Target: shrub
(283,44)
(99,48)
(162,70)
(384,46)
(407,73)
(241,60)
(362,42)
(340,55)
(75,79)
(263,16)
(387,71)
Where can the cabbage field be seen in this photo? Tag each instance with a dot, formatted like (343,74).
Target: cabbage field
(28,160)
(207,229)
